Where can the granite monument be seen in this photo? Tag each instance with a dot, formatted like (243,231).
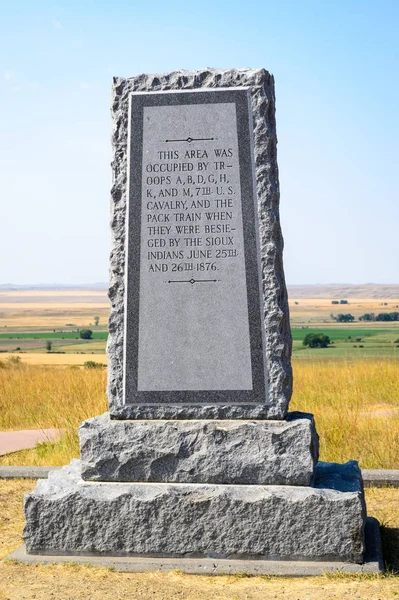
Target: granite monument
(198,456)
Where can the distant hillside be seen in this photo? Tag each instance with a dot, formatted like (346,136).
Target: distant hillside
(339,291)
(336,291)
(9,287)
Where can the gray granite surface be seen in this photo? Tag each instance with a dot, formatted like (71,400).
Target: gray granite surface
(66,514)
(373,561)
(228,452)
(276,313)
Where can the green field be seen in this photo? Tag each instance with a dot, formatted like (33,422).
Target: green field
(51,335)
(346,342)
(87,347)
(341,334)
(297,334)
(349,343)
(68,342)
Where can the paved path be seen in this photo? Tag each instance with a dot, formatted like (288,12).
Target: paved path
(12,441)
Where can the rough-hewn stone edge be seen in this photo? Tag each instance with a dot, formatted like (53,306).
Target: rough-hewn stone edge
(373,562)
(266,452)
(276,312)
(91,511)
(189,411)
(371,477)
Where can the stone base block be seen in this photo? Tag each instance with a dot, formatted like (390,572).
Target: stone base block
(65,514)
(228,452)
(373,561)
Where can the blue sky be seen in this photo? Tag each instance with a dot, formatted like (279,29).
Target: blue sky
(336,69)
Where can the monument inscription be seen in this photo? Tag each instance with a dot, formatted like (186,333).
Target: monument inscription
(193,327)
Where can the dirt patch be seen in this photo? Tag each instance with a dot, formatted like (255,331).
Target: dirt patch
(71,582)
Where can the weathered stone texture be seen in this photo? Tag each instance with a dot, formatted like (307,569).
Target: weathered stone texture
(226,452)
(66,514)
(276,313)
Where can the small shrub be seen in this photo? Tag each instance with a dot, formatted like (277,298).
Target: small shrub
(86,334)
(91,364)
(15,361)
(316,340)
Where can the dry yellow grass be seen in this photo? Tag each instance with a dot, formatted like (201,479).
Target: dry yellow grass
(355,404)
(53,308)
(40,397)
(53,359)
(356,409)
(37,320)
(36,397)
(49,309)
(24,582)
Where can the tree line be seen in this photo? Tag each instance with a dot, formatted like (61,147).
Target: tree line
(392,316)
(348,318)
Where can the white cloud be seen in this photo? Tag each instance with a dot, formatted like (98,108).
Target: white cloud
(7,75)
(57,24)
(84,85)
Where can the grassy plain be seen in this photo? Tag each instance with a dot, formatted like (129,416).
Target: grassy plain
(352,387)
(45,310)
(356,405)
(349,343)
(359,339)
(28,318)
(67,582)
(319,310)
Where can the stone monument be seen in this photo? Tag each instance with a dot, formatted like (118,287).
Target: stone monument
(198,457)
